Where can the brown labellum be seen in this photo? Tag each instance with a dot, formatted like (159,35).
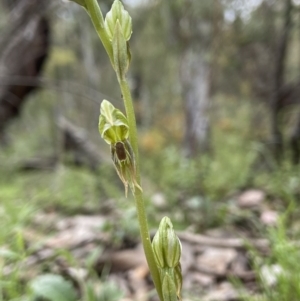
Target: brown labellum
(120,151)
(123,158)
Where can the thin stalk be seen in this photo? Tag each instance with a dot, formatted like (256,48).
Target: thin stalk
(138,194)
(94,11)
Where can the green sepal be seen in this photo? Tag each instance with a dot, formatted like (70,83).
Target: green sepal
(80,2)
(113,125)
(118,12)
(166,245)
(169,288)
(120,52)
(178,280)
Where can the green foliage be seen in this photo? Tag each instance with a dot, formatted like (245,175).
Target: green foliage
(53,288)
(284,182)
(109,292)
(12,254)
(123,228)
(173,173)
(66,188)
(282,283)
(62,57)
(227,168)
(15,214)
(71,189)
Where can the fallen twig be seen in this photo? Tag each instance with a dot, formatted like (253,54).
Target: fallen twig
(237,243)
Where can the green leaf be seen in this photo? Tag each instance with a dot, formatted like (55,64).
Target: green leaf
(90,292)
(8,254)
(53,288)
(110,292)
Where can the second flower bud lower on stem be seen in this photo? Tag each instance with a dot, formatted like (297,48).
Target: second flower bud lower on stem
(167,251)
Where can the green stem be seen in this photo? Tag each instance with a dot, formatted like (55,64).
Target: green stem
(138,194)
(94,11)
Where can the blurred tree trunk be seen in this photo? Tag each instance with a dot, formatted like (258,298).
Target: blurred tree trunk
(192,26)
(295,142)
(194,77)
(197,77)
(278,82)
(24,47)
(269,70)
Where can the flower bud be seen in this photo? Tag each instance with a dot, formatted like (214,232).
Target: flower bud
(118,13)
(166,245)
(118,27)
(113,125)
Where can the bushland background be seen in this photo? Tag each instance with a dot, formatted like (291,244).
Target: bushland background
(216,87)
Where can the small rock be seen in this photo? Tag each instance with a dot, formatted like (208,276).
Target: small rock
(202,279)
(70,238)
(223,292)
(269,218)
(216,260)
(82,221)
(159,200)
(221,232)
(269,274)
(240,264)
(76,230)
(78,273)
(251,198)
(187,259)
(195,202)
(46,219)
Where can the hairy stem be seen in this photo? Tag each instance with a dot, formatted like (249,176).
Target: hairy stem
(138,194)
